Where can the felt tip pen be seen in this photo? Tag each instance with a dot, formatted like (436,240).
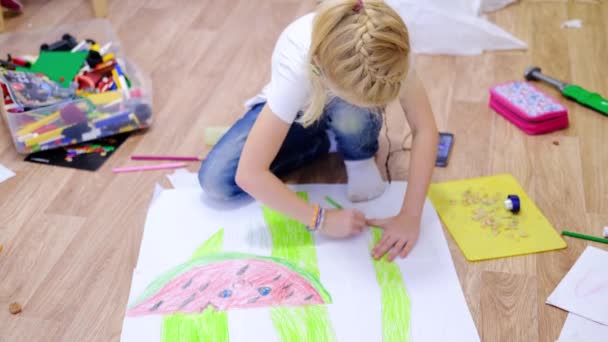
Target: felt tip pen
(584,237)
(122,80)
(333,203)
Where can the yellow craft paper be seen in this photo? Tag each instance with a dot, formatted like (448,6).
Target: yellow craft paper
(534,233)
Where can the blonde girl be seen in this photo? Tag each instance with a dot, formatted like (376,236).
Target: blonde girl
(334,72)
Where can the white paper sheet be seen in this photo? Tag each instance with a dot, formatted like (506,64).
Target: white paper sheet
(452,27)
(181,178)
(494,5)
(5,173)
(579,329)
(584,289)
(179,221)
(574,23)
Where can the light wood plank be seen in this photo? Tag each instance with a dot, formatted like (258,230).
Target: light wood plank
(78,233)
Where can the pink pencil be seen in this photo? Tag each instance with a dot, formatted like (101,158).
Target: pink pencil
(174,158)
(148,167)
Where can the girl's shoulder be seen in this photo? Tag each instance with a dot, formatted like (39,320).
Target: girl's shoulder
(299,31)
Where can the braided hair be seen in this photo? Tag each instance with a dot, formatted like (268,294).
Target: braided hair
(359,51)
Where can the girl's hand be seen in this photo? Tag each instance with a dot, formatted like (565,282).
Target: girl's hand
(343,223)
(399,236)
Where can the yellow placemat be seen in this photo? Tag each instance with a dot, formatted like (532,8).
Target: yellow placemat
(474,213)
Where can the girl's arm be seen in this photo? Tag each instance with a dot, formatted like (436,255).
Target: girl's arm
(401,232)
(425,142)
(254,176)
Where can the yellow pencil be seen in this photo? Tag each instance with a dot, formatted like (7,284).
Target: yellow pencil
(116,78)
(50,135)
(35,125)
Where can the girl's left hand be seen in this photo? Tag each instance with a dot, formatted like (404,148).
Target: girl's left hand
(399,236)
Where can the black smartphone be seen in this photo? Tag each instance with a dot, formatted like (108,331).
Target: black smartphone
(446,140)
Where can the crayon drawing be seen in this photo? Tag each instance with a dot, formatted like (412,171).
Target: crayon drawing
(584,289)
(264,277)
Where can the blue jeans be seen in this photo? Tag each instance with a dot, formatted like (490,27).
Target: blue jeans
(356,130)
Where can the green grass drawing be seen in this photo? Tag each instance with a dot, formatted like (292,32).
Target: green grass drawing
(292,242)
(210,325)
(396,304)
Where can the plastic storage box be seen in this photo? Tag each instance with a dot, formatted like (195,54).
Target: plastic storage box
(82,116)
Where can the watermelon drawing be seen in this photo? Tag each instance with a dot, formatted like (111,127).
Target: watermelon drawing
(225,281)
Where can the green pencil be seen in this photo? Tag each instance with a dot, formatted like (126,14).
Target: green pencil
(332,202)
(585,237)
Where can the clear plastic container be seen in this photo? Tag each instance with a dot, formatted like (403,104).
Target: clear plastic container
(49,127)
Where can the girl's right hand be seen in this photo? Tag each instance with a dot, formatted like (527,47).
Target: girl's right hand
(343,223)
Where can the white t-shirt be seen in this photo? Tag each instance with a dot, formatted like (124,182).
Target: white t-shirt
(289,88)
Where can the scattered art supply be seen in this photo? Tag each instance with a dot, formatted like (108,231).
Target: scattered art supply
(574,92)
(5,173)
(14,308)
(29,91)
(1,248)
(584,289)
(579,329)
(528,108)
(606,232)
(584,236)
(148,167)
(72,93)
(474,214)
(214,134)
(574,23)
(60,66)
(512,204)
(88,156)
(226,272)
(173,158)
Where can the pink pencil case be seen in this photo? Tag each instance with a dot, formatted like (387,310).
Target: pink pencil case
(528,108)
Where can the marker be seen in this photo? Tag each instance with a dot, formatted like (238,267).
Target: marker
(332,202)
(122,80)
(104,49)
(19,61)
(172,158)
(80,46)
(108,57)
(35,125)
(116,79)
(46,136)
(148,167)
(584,237)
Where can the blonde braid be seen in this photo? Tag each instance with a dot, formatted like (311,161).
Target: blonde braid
(359,52)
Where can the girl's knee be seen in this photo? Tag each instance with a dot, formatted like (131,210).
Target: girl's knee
(350,120)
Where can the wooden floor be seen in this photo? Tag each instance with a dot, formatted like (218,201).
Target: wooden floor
(71,238)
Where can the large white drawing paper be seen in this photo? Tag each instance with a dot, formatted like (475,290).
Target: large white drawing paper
(579,329)
(584,289)
(180,220)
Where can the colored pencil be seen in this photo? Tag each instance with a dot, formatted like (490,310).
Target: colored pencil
(332,202)
(173,158)
(148,167)
(584,237)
